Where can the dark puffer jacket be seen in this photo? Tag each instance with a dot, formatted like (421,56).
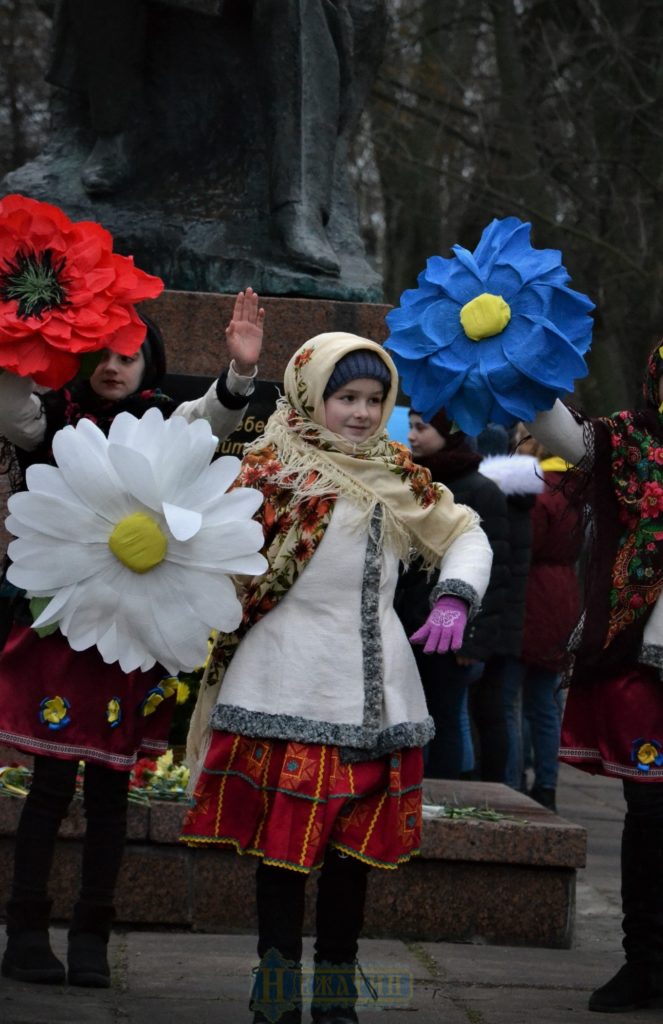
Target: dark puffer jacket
(520,479)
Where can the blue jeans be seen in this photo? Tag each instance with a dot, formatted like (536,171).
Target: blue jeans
(445,685)
(531,692)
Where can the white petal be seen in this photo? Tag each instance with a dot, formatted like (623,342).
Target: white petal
(123,429)
(136,475)
(55,608)
(187,456)
(218,547)
(182,522)
(212,600)
(43,479)
(213,482)
(240,504)
(87,470)
(51,564)
(56,518)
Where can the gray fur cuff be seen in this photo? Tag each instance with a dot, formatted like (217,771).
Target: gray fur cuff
(457,588)
(651,654)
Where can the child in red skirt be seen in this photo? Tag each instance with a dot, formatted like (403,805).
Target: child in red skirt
(64,706)
(315,753)
(613,720)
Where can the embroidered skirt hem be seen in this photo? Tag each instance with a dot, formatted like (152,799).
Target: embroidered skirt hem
(285,802)
(68,704)
(613,726)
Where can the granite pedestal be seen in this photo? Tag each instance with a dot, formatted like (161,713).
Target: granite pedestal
(509,881)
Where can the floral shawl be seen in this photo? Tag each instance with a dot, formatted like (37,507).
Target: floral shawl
(301,468)
(625,575)
(636,440)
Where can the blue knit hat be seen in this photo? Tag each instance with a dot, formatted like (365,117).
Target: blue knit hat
(360,363)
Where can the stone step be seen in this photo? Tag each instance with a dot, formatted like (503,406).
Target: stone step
(510,881)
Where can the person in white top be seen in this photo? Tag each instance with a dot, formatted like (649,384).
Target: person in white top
(315,754)
(613,719)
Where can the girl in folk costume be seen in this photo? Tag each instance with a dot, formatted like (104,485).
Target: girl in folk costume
(613,721)
(315,756)
(64,706)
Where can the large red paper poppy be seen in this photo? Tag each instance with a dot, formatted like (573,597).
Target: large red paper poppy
(63,292)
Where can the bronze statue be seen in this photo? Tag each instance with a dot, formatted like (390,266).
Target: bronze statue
(305,68)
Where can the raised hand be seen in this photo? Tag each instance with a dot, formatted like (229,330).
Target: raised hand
(244,332)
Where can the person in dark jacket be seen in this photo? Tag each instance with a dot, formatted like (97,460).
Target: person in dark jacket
(551,611)
(452,461)
(520,480)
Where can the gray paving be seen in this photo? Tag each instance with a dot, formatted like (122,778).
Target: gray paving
(177,978)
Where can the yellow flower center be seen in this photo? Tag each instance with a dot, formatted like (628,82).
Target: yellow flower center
(138,542)
(647,753)
(484,316)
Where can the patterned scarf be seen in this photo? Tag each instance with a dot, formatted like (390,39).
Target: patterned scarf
(636,472)
(301,468)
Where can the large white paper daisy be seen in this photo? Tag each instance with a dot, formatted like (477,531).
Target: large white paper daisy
(133,538)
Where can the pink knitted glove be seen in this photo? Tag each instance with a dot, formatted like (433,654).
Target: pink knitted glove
(443,629)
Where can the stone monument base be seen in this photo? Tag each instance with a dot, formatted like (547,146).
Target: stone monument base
(508,882)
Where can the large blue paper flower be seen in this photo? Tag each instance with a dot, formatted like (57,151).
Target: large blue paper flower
(491,336)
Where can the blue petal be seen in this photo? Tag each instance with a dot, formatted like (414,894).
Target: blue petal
(471,407)
(452,279)
(427,386)
(535,347)
(517,396)
(467,260)
(504,281)
(424,291)
(511,232)
(441,322)
(411,343)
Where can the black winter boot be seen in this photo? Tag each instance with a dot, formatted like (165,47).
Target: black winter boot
(640,981)
(277,986)
(277,990)
(339,920)
(334,994)
(88,944)
(28,956)
(633,986)
(544,796)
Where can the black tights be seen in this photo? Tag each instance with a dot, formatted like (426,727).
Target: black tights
(339,909)
(105,802)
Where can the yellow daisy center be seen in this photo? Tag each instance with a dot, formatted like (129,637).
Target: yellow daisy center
(484,316)
(138,542)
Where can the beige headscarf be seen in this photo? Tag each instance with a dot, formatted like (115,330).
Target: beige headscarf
(417,514)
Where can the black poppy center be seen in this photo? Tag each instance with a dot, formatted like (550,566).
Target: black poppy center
(34,280)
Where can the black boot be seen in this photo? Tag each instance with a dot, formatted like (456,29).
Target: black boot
(88,944)
(28,956)
(334,993)
(339,920)
(277,990)
(640,981)
(277,987)
(544,796)
(633,986)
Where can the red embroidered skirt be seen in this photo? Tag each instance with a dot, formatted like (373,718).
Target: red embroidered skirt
(285,802)
(68,704)
(614,725)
